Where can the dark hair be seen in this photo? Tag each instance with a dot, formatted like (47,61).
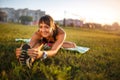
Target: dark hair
(47,20)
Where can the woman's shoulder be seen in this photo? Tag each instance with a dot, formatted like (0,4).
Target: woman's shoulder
(60,30)
(61,33)
(37,34)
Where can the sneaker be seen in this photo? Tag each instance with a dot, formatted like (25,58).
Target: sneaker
(24,56)
(29,62)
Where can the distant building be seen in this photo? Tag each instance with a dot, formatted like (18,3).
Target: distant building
(92,25)
(71,22)
(14,15)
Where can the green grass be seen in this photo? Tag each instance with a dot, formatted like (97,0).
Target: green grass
(101,62)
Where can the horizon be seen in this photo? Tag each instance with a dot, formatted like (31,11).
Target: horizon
(103,12)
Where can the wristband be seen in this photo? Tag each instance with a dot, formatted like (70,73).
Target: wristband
(44,55)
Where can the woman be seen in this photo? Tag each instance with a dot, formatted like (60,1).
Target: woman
(48,34)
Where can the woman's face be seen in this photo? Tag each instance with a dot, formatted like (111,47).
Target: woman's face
(45,30)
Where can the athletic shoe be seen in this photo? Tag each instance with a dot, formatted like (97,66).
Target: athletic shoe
(24,56)
(29,62)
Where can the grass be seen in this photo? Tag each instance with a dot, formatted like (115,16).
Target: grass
(101,62)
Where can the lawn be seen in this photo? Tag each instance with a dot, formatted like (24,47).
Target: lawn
(101,62)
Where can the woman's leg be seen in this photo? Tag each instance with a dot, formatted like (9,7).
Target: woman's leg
(68,44)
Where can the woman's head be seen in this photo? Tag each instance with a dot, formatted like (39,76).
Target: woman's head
(47,20)
(46,25)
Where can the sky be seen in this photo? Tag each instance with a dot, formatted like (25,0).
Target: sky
(99,11)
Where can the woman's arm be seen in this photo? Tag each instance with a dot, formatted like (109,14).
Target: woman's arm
(34,40)
(56,46)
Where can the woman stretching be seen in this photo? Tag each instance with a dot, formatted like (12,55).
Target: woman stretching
(45,42)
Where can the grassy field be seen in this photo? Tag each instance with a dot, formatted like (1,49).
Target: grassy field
(101,62)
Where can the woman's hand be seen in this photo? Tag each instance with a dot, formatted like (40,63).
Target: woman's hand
(18,51)
(35,53)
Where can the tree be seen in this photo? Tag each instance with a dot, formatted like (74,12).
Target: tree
(3,16)
(25,19)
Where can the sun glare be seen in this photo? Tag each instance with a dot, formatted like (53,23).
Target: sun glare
(102,16)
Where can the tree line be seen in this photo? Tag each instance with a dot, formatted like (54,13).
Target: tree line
(22,19)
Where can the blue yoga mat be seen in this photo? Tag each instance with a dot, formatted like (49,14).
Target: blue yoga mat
(23,40)
(79,49)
